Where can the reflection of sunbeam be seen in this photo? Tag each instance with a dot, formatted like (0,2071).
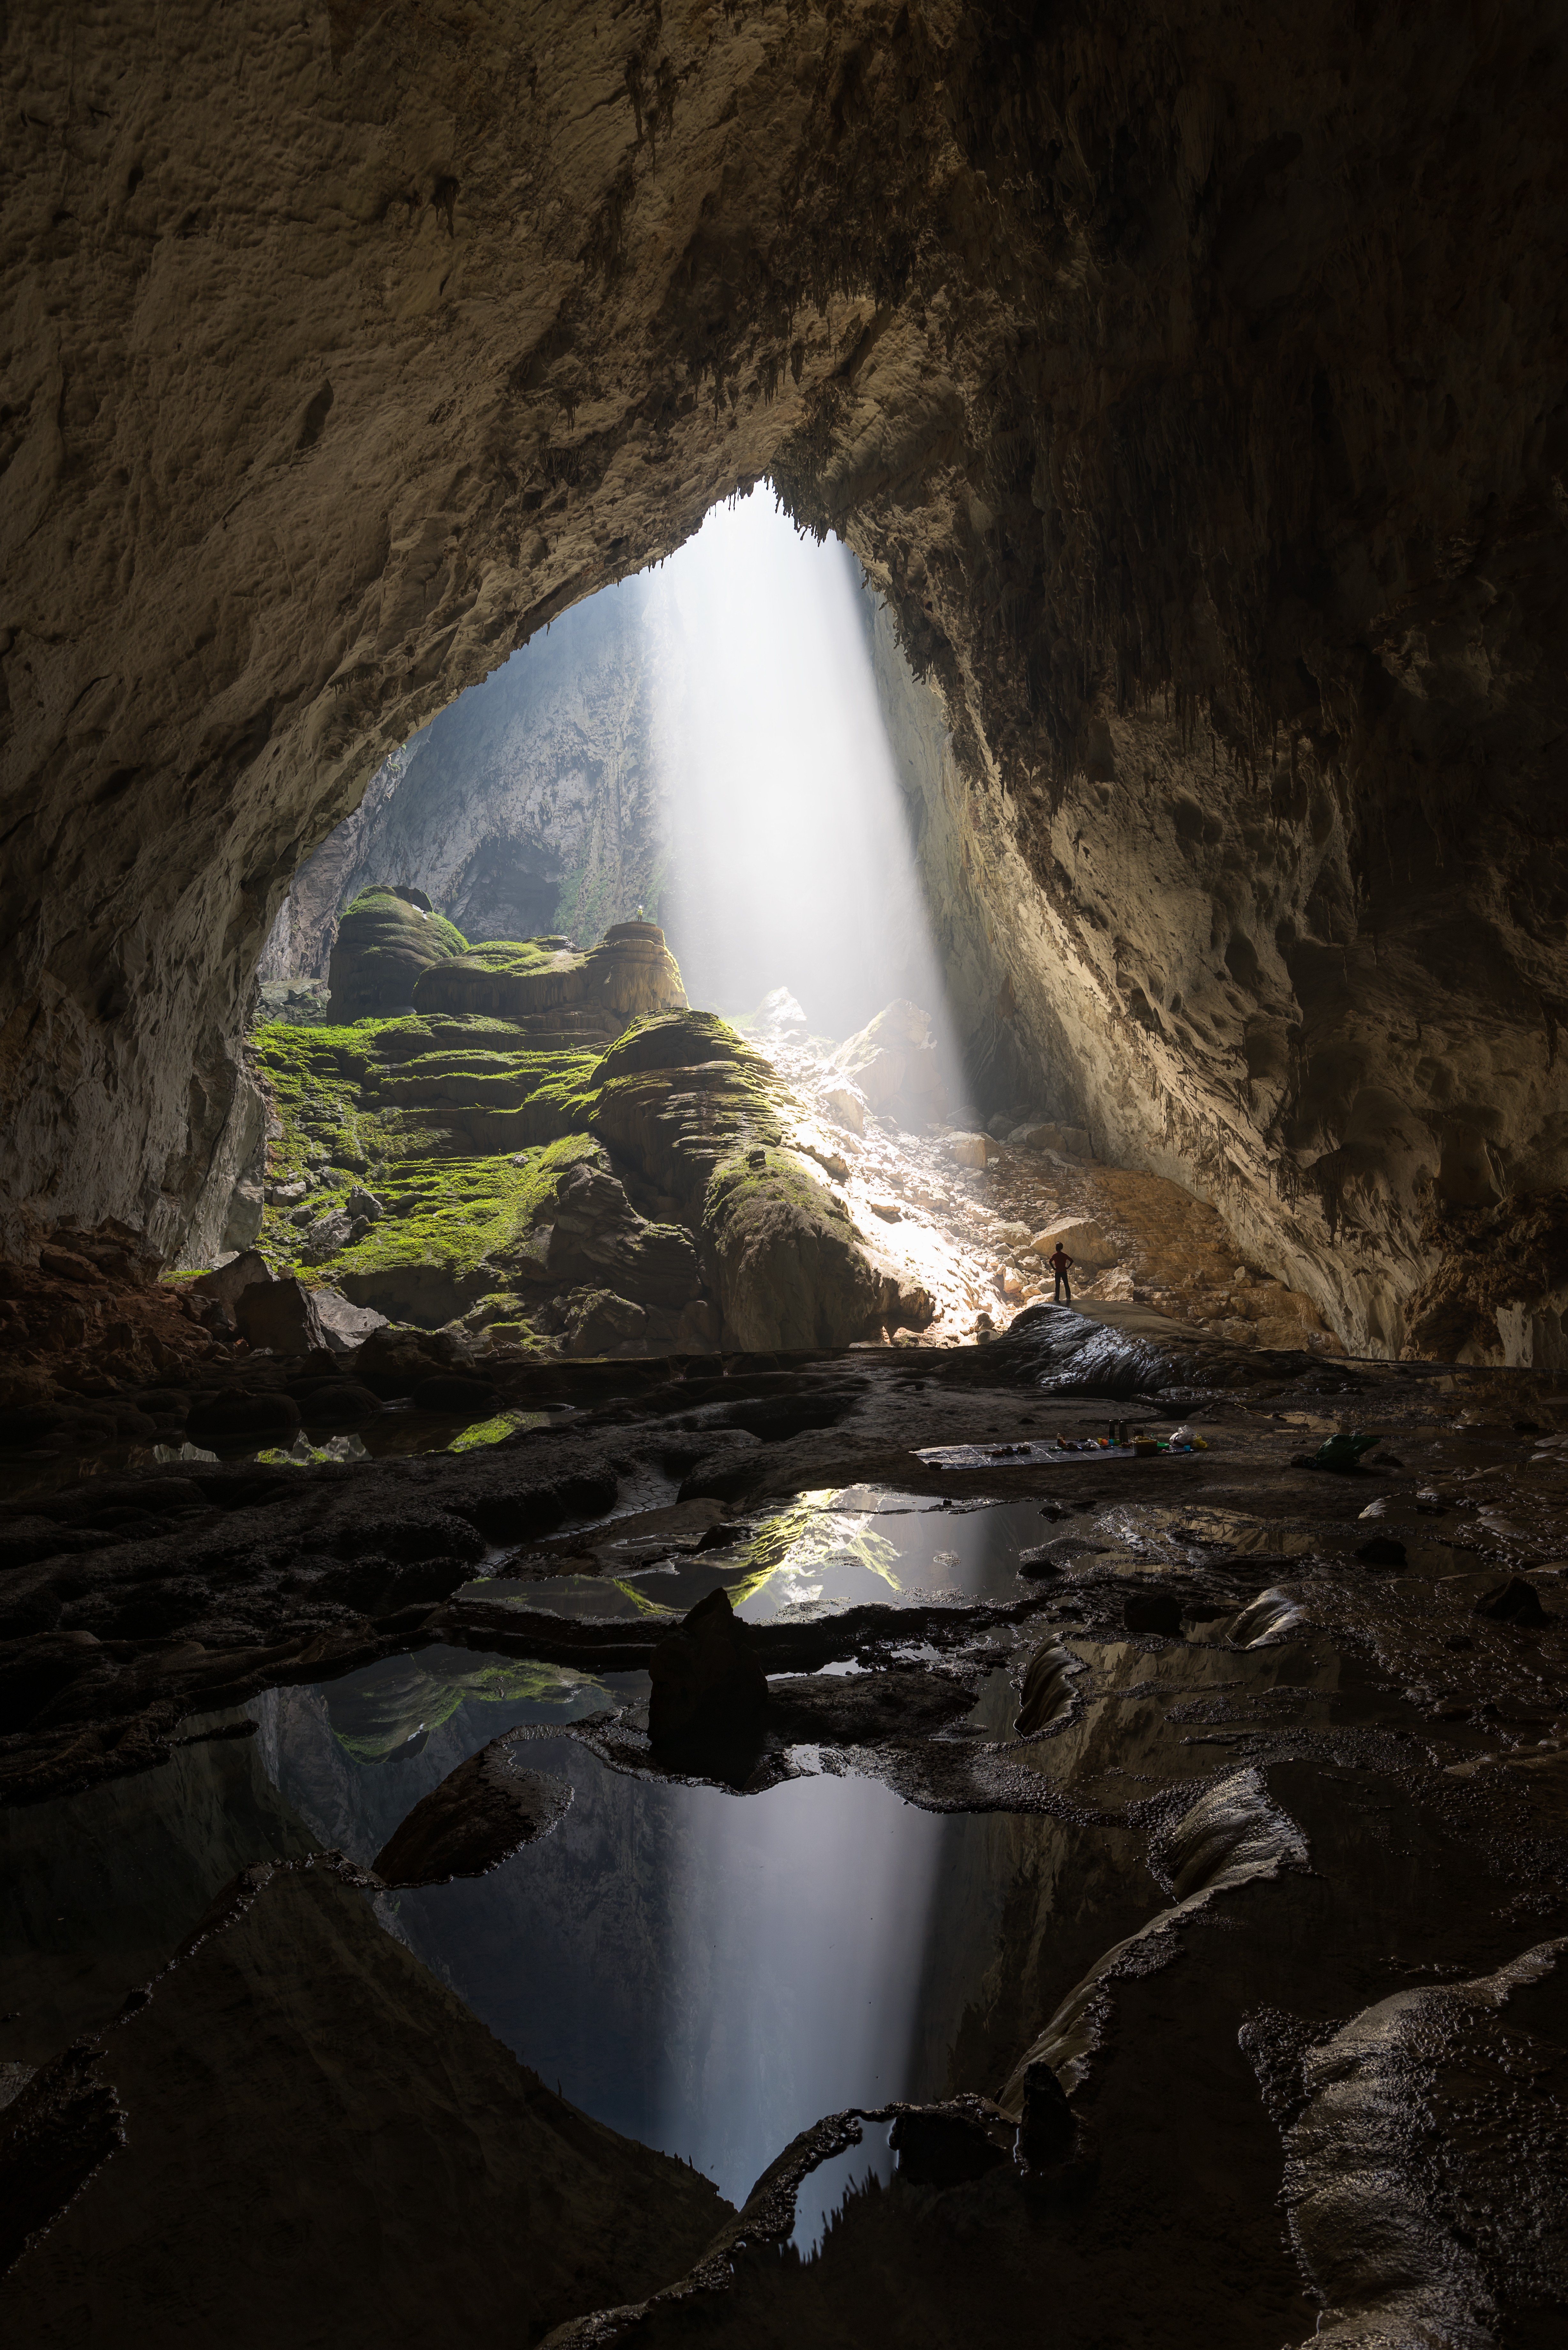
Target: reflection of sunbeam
(798,1948)
(793,863)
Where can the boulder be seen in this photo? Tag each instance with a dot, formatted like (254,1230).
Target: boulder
(228,1283)
(482,1812)
(599,1323)
(792,1271)
(707,1683)
(893,1064)
(779,1014)
(845,1107)
(338,1403)
(279,1315)
(269,1417)
(974,1149)
(1066,1141)
(328,1237)
(391,1363)
(384,942)
(345,1325)
(1084,1243)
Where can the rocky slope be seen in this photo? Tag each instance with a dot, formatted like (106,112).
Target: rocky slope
(1192,393)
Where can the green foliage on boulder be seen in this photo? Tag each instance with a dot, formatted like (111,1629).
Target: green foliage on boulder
(384,942)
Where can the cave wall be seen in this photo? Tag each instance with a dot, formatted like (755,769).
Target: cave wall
(1192,387)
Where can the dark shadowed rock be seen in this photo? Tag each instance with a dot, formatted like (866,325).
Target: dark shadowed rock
(451,1391)
(280,1316)
(1048,2127)
(707,1683)
(1512,1600)
(1157,1613)
(244,1413)
(228,1283)
(944,2146)
(480,1814)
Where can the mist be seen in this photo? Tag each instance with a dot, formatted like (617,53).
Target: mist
(792,860)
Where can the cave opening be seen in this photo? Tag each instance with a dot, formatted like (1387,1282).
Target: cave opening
(704,743)
(676,1669)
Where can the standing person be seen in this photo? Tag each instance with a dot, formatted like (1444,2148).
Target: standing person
(1061,1263)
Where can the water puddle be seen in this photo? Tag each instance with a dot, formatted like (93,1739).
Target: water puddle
(821,2197)
(823,1552)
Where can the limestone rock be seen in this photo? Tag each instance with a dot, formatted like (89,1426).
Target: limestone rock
(343,1326)
(631,972)
(266,1417)
(384,940)
(1084,1243)
(280,1316)
(707,1685)
(892,1062)
(974,1149)
(792,1270)
(391,1363)
(331,2057)
(228,1283)
(1155,753)
(482,1812)
(779,1014)
(1066,1141)
(847,1106)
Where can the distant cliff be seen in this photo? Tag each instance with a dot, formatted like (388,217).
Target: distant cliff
(531,804)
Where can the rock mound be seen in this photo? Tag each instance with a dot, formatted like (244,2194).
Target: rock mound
(386,940)
(631,970)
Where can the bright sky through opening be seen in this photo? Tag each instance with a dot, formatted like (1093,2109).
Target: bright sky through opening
(792,861)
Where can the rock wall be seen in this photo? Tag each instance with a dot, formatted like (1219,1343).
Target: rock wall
(532,805)
(1191,388)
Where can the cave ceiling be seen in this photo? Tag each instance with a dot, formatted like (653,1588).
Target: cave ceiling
(1188,382)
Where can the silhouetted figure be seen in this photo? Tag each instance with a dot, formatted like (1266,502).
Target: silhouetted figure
(1059,1262)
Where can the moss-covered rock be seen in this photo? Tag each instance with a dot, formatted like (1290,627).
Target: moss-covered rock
(527,1183)
(631,972)
(386,939)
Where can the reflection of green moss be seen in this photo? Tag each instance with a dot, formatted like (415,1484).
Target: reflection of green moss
(382,1710)
(807,1535)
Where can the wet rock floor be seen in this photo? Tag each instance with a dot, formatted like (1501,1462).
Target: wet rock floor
(1168,1855)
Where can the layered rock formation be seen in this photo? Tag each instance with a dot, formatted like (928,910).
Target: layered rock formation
(1192,393)
(552,1150)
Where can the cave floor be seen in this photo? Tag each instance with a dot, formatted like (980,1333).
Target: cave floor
(1168,1853)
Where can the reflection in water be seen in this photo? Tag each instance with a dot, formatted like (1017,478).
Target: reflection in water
(707,1973)
(825,1551)
(822,2195)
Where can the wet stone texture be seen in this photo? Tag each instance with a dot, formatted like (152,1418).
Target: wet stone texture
(1134,1882)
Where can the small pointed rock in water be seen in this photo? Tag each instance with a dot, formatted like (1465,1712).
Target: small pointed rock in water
(479,1817)
(706,1681)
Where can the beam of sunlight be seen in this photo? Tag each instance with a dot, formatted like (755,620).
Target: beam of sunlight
(792,861)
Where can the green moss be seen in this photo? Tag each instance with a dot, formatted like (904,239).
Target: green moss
(494,1431)
(384,905)
(515,954)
